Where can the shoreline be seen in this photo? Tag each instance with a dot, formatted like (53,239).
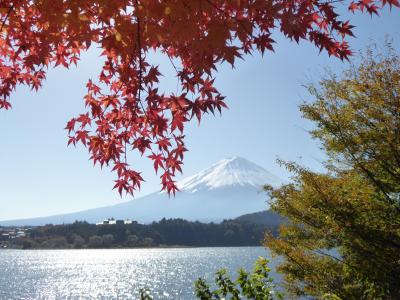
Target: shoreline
(130,248)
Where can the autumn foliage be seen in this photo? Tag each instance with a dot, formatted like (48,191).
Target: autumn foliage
(125,109)
(342,235)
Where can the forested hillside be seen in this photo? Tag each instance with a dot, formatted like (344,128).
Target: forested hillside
(167,232)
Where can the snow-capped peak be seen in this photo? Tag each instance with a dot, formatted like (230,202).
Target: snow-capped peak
(235,171)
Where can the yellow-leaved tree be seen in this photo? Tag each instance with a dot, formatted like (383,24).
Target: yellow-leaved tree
(342,238)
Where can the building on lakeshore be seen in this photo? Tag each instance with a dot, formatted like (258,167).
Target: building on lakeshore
(112,221)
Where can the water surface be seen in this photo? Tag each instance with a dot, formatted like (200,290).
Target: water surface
(110,274)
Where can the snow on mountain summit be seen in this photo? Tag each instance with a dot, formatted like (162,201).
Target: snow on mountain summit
(235,171)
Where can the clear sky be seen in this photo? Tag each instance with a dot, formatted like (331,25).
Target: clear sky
(40,176)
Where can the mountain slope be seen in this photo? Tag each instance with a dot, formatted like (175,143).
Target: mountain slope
(227,189)
(265,217)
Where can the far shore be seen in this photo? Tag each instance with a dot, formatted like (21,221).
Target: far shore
(130,248)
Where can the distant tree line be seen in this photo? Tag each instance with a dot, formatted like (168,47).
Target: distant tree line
(166,232)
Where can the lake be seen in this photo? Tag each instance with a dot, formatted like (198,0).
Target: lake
(108,274)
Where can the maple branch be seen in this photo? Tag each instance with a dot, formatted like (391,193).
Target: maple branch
(6,18)
(172,62)
(120,113)
(125,152)
(177,72)
(139,43)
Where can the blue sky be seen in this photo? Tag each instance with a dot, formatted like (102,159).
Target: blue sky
(40,176)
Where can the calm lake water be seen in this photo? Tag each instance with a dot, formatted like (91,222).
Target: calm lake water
(111,274)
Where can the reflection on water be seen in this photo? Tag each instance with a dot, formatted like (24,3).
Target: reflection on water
(110,274)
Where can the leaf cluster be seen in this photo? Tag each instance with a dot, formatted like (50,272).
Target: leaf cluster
(256,285)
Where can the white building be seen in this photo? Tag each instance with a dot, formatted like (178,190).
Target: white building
(112,221)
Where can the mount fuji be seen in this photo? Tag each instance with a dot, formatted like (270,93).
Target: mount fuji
(226,190)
